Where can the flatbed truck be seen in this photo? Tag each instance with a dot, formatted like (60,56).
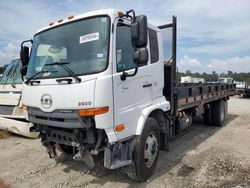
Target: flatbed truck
(243,89)
(98,84)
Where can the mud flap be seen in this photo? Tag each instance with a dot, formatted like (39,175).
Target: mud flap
(85,156)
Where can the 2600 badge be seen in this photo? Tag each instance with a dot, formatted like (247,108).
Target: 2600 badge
(85,103)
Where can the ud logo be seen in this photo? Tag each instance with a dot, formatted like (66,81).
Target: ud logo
(46,101)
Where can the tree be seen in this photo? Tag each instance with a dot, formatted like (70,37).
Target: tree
(2,69)
(229,73)
(188,72)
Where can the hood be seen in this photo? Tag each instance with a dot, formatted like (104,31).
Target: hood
(9,95)
(60,96)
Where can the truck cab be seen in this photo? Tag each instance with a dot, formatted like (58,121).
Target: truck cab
(85,90)
(225,80)
(12,117)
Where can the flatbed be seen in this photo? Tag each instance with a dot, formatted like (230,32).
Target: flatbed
(197,95)
(188,100)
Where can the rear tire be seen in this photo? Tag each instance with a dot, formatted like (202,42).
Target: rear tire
(218,113)
(207,116)
(146,152)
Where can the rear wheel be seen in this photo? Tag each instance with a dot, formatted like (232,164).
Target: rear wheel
(219,113)
(146,152)
(207,116)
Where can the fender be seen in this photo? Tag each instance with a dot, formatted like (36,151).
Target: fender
(158,103)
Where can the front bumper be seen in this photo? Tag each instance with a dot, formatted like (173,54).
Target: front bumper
(68,119)
(16,126)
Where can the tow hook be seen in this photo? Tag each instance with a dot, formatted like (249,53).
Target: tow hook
(84,155)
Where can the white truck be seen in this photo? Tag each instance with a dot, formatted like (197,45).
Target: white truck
(190,79)
(225,80)
(98,84)
(243,89)
(12,117)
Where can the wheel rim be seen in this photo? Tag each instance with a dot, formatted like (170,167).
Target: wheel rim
(151,150)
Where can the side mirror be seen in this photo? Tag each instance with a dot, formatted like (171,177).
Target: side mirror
(139,31)
(141,56)
(24,55)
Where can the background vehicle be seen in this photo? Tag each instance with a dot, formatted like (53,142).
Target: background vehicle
(225,80)
(12,116)
(243,89)
(101,83)
(189,79)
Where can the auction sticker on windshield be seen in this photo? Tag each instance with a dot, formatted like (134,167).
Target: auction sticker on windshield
(88,38)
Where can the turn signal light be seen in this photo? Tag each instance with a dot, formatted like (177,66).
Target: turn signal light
(93,111)
(60,20)
(120,128)
(24,107)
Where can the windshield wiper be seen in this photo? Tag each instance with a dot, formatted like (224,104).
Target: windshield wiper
(40,72)
(8,73)
(12,75)
(63,65)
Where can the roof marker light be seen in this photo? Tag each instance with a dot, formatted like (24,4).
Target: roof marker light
(60,20)
(51,23)
(70,17)
(120,13)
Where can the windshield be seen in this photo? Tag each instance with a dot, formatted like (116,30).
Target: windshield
(82,44)
(225,80)
(12,73)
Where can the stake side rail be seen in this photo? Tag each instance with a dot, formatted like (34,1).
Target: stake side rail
(196,95)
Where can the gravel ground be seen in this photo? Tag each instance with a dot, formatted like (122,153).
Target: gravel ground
(204,156)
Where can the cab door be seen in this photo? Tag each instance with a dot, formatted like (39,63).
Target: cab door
(132,95)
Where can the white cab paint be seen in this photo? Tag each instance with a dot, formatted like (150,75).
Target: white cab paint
(129,103)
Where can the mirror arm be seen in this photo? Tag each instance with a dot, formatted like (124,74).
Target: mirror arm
(30,40)
(133,15)
(124,75)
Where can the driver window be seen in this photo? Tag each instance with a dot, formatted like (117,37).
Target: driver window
(124,49)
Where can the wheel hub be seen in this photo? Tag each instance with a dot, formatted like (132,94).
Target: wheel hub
(151,150)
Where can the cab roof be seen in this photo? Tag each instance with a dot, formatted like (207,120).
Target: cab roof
(110,12)
(113,13)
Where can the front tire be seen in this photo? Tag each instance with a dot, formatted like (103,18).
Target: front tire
(146,152)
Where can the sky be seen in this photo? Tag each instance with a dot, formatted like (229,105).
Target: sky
(212,35)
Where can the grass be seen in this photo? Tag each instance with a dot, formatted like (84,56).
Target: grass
(4,134)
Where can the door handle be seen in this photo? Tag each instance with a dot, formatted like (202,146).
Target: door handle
(147,85)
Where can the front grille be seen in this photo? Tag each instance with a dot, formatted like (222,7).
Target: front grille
(57,118)
(6,110)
